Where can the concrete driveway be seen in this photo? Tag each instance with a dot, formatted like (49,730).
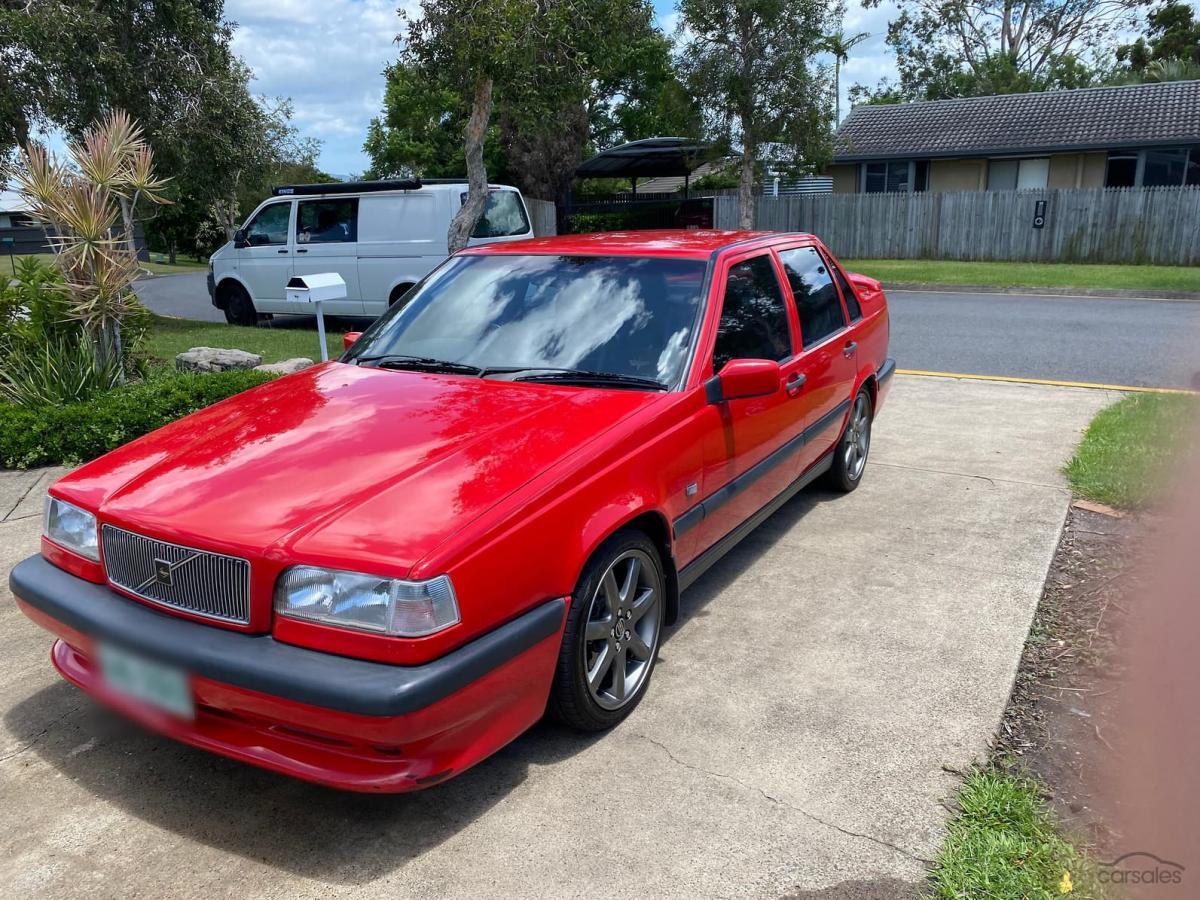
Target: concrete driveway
(795,740)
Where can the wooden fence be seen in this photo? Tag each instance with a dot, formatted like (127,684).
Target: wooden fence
(1123,225)
(544,216)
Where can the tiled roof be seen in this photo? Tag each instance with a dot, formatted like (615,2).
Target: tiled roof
(1093,118)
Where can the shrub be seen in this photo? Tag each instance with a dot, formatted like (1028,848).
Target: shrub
(77,432)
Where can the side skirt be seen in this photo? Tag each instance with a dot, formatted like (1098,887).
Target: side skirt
(697,567)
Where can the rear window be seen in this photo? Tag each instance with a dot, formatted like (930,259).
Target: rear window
(503,216)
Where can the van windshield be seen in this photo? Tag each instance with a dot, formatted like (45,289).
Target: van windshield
(620,315)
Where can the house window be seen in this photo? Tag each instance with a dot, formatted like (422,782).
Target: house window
(1153,167)
(1018,174)
(894,176)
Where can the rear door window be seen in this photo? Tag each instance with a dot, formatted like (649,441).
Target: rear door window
(754,320)
(503,216)
(816,299)
(327,221)
(847,294)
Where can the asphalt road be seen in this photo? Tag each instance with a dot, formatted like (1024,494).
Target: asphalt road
(1144,343)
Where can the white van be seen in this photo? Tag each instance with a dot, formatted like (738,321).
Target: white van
(382,237)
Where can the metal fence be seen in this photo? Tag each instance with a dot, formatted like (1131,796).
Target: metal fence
(25,239)
(1122,225)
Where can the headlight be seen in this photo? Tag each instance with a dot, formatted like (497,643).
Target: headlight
(71,527)
(367,602)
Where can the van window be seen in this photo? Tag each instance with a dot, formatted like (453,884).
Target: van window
(327,221)
(270,226)
(503,216)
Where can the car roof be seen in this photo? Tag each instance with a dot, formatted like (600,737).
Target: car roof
(698,243)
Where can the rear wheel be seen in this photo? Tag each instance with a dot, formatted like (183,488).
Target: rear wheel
(850,455)
(611,639)
(398,293)
(239,308)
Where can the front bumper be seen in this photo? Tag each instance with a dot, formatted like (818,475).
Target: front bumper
(347,723)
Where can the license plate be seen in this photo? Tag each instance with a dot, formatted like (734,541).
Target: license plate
(162,686)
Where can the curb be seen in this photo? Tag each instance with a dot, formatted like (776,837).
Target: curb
(1102,293)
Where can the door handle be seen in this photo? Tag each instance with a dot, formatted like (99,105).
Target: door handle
(281,251)
(794,383)
(851,346)
(299,250)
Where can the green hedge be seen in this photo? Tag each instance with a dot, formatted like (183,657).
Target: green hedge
(77,432)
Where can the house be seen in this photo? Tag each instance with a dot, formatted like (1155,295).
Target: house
(14,211)
(1126,136)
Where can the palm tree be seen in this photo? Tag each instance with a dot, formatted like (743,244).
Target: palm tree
(840,46)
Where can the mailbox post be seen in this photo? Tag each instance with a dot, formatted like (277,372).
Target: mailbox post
(310,290)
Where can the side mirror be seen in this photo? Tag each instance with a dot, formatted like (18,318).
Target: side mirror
(744,378)
(349,338)
(239,238)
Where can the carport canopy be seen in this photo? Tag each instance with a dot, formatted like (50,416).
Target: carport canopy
(650,158)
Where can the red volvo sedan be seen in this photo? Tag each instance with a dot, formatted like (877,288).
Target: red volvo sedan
(376,572)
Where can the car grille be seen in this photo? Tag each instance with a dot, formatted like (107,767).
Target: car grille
(197,581)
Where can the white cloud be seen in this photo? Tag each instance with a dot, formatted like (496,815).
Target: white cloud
(329,58)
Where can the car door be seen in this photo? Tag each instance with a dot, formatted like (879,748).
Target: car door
(751,444)
(265,262)
(827,354)
(327,241)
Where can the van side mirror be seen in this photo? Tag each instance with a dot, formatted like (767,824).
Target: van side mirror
(239,238)
(349,338)
(744,378)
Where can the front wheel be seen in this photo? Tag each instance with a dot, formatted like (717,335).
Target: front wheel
(850,455)
(239,308)
(611,639)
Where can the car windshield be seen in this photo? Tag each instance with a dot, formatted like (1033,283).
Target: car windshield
(617,315)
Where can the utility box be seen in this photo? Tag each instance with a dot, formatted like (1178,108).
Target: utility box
(316,288)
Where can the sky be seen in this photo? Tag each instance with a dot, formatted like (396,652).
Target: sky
(329,58)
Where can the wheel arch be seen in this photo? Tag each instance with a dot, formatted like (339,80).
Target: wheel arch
(224,286)
(655,526)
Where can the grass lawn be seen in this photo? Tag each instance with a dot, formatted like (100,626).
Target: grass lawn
(1127,452)
(168,337)
(1026,274)
(182,264)
(1004,843)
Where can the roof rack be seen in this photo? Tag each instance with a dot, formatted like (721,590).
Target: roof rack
(350,187)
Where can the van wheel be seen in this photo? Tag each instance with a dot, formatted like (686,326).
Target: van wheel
(239,308)
(610,642)
(397,292)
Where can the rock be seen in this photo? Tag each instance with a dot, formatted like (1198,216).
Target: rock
(215,359)
(286,366)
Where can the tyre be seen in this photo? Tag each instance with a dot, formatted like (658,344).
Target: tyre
(611,638)
(239,308)
(850,455)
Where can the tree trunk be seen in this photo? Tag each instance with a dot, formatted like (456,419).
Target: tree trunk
(746,187)
(127,221)
(837,91)
(468,215)
(171,253)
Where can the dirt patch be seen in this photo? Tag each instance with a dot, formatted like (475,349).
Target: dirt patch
(1061,720)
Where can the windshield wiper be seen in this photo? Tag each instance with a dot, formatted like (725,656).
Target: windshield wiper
(602,379)
(419,364)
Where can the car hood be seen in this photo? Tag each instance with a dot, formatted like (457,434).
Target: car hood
(345,466)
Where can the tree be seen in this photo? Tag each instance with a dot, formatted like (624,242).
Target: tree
(749,63)
(965,48)
(79,206)
(840,44)
(575,73)
(1170,47)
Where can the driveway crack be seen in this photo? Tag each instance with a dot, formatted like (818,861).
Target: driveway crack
(784,803)
(29,490)
(33,741)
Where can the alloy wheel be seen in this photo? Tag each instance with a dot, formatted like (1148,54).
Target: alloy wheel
(858,438)
(621,634)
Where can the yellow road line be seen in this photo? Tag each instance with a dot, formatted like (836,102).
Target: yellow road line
(1049,381)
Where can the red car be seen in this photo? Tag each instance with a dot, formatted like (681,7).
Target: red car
(376,572)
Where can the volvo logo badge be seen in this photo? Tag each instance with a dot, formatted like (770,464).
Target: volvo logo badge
(162,572)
